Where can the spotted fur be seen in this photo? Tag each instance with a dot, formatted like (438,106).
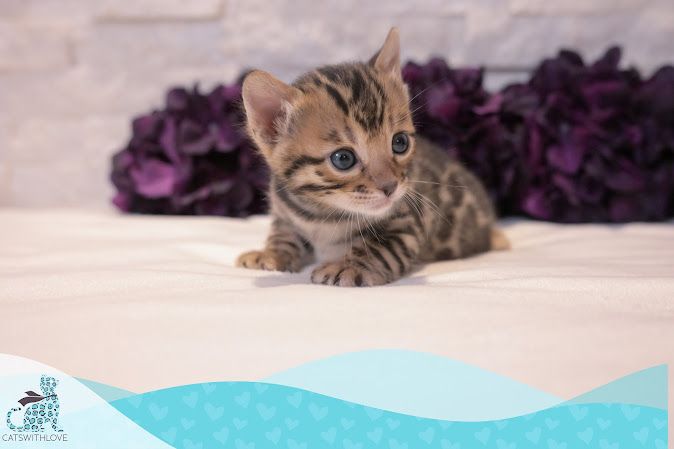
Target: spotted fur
(370,224)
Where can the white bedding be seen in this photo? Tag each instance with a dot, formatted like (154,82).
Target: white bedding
(148,302)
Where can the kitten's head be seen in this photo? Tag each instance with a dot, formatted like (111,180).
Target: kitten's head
(340,137)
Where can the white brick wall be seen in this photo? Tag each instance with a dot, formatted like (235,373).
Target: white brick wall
(72,72)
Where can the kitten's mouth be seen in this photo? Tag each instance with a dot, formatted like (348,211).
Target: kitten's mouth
(379,205)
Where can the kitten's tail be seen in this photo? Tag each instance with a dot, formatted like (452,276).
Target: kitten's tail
(9,420)
(499,241)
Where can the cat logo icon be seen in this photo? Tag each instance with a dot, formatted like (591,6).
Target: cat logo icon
(40,411)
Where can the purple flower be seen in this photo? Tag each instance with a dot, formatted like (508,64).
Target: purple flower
(576,143)
(192,157)
(604,135)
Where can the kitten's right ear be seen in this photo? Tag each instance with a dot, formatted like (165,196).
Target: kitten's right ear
(267,101)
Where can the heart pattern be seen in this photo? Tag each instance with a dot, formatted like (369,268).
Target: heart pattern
(603,423)
(187,423)
(295,399)
(534,435)
(554,444)
(392,423)
(500,425)
(157,412)
(427,435)
(243,399)
(395,444)
(578,413)
(135,401)
(274,435)
(191,399)
(292,444)
(347,423)
(606,444)
(503,444)
(586,435)
(375,435)
(241,444)
(214,412)
(243,415)
(260,388)
(189,444)
(318,412)
(239,423)
(551,423)
(483,435)
(374,413)
(446,444)
(169,435)
(631,413)
(348,444)
(291,423)
(266,412)
(329,435)
(659,423)
(642,435)
(221,435)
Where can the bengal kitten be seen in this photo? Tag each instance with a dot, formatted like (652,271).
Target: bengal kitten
(352,185)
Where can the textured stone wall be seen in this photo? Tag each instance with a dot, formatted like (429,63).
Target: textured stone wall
(72,72)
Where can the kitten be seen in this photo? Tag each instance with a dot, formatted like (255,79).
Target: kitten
(352,185)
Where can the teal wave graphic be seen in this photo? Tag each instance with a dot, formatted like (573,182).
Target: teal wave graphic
(244,415)
(104,391)
(627,413)
(647,387)
(426,385)
(419,384)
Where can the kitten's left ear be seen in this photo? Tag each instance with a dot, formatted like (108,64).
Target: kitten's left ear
(387,59)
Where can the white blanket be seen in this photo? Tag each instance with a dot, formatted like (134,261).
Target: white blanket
(149,302)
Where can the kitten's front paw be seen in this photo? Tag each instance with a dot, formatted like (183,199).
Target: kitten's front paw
(345,273)
(268,260)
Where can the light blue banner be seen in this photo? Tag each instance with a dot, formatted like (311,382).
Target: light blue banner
(375,399)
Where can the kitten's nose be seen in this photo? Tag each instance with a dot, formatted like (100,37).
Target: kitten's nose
(389,187)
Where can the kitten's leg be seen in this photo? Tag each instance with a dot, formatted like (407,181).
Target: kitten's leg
(285,250)
(372,261)
(498,240)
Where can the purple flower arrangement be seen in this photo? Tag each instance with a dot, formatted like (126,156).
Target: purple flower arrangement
(192,157)
(577,143)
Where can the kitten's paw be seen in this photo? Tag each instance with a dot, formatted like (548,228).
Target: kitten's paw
(268,260)
(345,273)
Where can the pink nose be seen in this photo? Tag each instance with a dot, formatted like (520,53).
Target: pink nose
(389,187)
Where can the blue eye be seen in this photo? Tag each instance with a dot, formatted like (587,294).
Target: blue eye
(400,143)
(343,159)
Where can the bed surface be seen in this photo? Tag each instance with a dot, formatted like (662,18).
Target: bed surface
(145,302)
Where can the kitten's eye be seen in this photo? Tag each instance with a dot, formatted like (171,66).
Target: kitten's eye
(400,143)
(343,159)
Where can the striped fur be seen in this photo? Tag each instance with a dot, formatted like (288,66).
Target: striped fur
(433,208)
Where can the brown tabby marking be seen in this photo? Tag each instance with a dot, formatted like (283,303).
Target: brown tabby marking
(370,220)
